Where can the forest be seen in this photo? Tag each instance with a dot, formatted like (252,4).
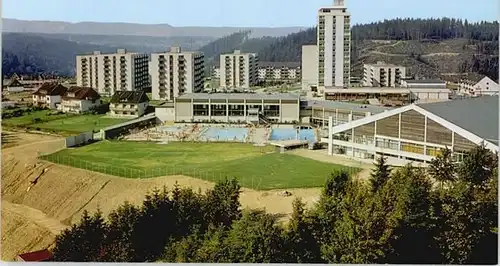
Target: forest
(444,214)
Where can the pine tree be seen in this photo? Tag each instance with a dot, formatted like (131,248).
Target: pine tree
(380,174)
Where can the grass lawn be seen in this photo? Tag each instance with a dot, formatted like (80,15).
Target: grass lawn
(65,124)
(254,167)
(27,118)
(79,124)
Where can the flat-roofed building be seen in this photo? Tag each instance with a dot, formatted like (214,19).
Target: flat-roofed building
(108,73)
(237,107)
(176,72)
(238,70)
(383,75)
(428,90)
(279,71)
(418,132)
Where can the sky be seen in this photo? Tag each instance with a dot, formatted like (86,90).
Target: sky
(240,13)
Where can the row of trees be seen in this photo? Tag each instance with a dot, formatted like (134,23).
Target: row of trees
(445,214)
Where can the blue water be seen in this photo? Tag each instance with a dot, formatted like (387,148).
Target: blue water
(291,134)
(225,134)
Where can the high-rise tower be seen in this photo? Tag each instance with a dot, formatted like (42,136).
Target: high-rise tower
(334,45)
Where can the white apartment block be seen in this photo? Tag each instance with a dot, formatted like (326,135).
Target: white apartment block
(277,72)
(175,72)
(216,72)
(383,75)
(334,46)
(238,70)
(108,73)
(309,67)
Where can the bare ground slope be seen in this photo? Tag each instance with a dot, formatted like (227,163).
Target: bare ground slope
(62,193)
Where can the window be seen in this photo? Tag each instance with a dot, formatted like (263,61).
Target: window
(200,109)
(218,109)
(236,110)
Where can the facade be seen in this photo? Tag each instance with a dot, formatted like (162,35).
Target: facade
(271,71)
(483,86)
(310,68)
(383,75)
(384,96)
(238,70)
(334,46)
(108,73)
(237,107)
(428,90)
(128,104)
(418,132)
(174,73)
(341,112)
(215,72)
(79,100)
(49,95)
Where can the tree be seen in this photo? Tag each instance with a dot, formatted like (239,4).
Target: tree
(442,168)
(301,246)
(255,238)
(380,174)
(478,166)
(222,203)
(83,241)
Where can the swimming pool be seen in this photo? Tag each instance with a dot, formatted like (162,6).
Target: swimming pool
(224,134)
(280,134)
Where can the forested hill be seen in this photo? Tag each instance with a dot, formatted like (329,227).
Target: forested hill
(288,48)
(31,54)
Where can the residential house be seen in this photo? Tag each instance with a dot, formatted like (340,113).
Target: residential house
(79,100)
(476,86)
(128,104)
(49,95)
(15,85)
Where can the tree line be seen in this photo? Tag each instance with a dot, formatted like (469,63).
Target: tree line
(446,213)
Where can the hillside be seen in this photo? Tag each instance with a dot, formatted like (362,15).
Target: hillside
(30,54)
(159,30)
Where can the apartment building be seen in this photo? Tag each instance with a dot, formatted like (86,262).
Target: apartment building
(334,45)
(238,70)
(383,75)
(108,73)
(276,71)
(176,72)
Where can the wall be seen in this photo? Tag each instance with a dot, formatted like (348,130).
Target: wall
(80,139)
(309,66)
(165,113)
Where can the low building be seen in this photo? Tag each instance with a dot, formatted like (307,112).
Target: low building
(49,95)
(386,96)
(418,132)
(478,86)
(215,72)
(428,90)
(342,112)
(128,104)
(79,100)
(383,75)
(35,256)
(14,85)
(237,107)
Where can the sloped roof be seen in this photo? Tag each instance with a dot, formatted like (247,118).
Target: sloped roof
(81,93)
(51,89)
(129,97)
(14,83)
(40,255)
(477,115)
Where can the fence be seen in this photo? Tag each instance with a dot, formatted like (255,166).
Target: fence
(248,180)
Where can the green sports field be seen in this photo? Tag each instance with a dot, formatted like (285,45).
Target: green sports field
(254,167)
